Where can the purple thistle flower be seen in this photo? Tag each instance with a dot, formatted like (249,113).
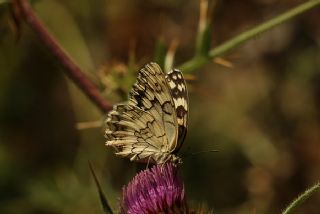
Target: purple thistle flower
(155,190)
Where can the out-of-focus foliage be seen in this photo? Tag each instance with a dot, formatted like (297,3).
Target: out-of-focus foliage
(262,114)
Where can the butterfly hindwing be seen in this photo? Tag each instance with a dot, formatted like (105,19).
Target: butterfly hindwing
(136,134)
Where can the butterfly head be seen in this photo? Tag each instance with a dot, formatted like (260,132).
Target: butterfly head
(175,159)
(167,158)
(178,161)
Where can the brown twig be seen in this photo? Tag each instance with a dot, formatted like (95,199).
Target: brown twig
(72,70)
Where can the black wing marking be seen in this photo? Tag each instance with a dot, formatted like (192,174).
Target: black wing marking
(152,93)
(179,93)
(146,126)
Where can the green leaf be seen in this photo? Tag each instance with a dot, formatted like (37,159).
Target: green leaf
(203,42)
(160,53)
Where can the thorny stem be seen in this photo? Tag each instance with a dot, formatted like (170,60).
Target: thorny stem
(92,92)
(236,41)
(72,70)
(301,198)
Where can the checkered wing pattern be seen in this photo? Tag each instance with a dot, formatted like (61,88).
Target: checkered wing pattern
(149,127)
(179,94)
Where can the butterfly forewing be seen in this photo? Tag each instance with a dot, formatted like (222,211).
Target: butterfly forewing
(150,126)
(179,94)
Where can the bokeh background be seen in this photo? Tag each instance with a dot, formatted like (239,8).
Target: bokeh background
(261,113)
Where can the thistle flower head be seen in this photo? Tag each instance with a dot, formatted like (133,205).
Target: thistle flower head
(155,190)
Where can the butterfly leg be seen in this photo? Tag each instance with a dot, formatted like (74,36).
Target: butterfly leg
(148,162)
(162,166)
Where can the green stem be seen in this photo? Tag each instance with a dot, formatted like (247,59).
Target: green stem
(298,201)
(197,62)
(4,1)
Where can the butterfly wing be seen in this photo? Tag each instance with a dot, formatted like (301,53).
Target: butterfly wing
(146,127)
(151,93)
(135,133)
(179,94)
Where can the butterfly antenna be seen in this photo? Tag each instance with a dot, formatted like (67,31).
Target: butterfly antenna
(104,202)
(197,153)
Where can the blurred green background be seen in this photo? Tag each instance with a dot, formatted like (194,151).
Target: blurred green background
(262,114)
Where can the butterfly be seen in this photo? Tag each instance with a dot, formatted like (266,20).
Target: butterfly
(152,125)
